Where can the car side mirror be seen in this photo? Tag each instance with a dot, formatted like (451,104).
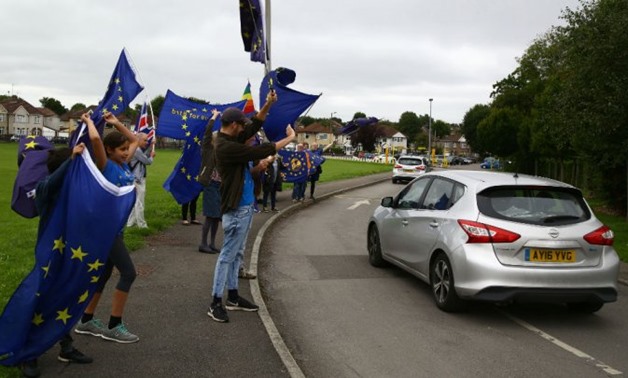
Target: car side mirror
(387,202)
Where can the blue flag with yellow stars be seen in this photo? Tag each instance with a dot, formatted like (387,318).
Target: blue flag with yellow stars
(32,157)
(70,255)
(289,106)
(123,87)
(252,30)
(184,119)
(297,165)
(353,125)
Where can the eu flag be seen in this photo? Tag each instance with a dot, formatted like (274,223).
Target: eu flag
(122,89)
(70,255)
(32,155)
(290,103)
(252,29)
(184,119)
(353,125)
(298,165)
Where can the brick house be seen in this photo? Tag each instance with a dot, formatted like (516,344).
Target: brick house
(18,117)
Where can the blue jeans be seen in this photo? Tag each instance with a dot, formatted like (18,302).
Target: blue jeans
(236,225)
(298,190)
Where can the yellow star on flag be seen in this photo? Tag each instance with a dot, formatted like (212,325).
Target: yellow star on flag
(120,99)
(94,279)
(63,316)
(38,319)
(30,144)
(46,269)
(59,244)
(83,297)
(184,126)
(204,110)
(196,139)
(78,253)
(182,169)
(187,133)
(115,107)
(95,265)
(117,80)
(184,116)
(189,177)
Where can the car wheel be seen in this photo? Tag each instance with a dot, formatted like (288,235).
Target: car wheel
(394,181)
(585,307)
(374,247)
(442,284)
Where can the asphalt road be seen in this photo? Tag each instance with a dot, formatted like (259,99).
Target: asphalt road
(340,317)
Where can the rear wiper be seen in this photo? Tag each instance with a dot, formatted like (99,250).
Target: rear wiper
(558,218)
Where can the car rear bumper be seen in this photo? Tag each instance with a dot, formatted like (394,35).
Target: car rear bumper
(485,278)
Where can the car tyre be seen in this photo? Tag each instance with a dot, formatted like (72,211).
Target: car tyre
(374,247)
(394,181)
(585,307)
(442,285)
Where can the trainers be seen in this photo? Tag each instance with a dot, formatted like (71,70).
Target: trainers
(30,369)
(246,274)
(241,305)
(274,210)
(120,334)
(218,313)
(265,209)
(93,327)
(76,356)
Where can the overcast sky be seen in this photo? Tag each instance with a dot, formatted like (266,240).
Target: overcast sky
(381,58)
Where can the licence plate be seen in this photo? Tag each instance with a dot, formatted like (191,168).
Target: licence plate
(408,170)
(550,255)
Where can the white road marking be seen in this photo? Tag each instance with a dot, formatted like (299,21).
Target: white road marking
(358,203)
(575,351)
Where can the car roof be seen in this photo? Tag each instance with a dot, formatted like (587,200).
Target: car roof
(480,180)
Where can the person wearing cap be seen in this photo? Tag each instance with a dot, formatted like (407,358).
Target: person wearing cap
(232,162)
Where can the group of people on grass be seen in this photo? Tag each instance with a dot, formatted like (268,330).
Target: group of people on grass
(230,161)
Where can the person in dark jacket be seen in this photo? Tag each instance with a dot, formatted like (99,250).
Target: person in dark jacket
(210,179)
(237,199)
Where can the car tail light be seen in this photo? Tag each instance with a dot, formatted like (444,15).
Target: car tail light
(602,236)
(398,166)
(420,168)
(484,233)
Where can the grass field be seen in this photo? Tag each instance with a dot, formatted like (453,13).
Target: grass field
(17,239)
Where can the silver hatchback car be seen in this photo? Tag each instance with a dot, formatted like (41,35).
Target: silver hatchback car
(409,167)
(501,237)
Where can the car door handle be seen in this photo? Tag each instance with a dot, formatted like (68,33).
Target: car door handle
(404,222)
(434,224)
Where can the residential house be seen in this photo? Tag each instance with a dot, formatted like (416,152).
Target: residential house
(18,117)
(453,144)
(392,139)
(52,122)
(316,133)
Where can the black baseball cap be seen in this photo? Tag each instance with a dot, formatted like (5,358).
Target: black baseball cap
(234,115)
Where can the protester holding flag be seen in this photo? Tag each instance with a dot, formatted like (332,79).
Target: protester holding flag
(210,179)
(232,158)
(298,190)
(47,193)
(315,176)
(112,156)
(140,160)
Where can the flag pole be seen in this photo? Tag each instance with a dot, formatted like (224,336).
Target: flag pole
(267,65)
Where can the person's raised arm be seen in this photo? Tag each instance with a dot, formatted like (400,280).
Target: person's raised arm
(100,155)
(271,98)
(284,142)
(133,141)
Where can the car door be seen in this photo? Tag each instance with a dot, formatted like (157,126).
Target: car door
(422,227)
(393,229)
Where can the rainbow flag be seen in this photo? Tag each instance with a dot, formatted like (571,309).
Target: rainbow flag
(249,107)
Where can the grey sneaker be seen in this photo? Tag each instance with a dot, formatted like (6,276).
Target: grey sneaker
(120,334)
(93,327)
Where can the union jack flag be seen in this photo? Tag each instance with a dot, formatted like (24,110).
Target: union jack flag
(142,125)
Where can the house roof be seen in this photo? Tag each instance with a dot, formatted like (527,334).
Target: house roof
(387,131)
(76,114)
(315,128)
(12,104)
(46,112)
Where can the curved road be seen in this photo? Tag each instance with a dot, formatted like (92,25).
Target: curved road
(340,317)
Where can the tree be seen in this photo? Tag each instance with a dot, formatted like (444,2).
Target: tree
(409,125)
(359,115)
(78,106)
(157,103)
(470,123)
(54,105)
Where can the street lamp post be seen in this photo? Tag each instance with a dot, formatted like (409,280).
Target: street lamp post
(429,131)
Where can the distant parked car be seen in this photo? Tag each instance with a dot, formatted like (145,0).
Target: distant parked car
(455,160)
(15,138)
(498,237)
(490,163)
(468,160)
(409,167)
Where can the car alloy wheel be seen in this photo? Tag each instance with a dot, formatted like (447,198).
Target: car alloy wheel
(442,284)
(374,247)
